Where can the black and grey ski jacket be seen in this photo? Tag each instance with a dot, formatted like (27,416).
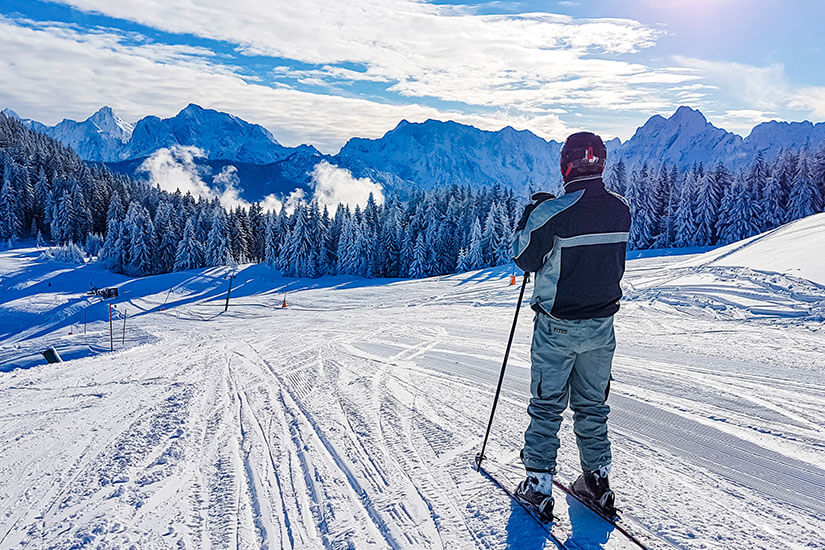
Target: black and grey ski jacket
(576,245)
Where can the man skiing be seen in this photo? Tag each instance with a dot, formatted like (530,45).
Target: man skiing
(575,245)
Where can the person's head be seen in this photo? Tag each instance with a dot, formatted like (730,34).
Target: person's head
(583,154)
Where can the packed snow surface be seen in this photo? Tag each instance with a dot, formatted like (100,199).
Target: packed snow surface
(350,418)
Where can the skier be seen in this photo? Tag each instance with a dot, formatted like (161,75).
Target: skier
(575,244)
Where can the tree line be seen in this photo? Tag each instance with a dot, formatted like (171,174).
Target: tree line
(48,193)
(710,206)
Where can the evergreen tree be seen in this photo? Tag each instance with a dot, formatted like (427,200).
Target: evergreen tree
(804,197)
(217,250)
(140,228)
(189,254)
(272,240)
(616,180)
(11,223)
(643,204)
(685,219)
(298,252)
(112,252)
(418,265)
(742,219)
(474,258)
(347,247)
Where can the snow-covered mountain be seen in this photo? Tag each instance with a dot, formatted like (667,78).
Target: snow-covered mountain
(432,153)
(105,137)
(687,138)
(102,137)
(219,135)
(683,139)
(418,155)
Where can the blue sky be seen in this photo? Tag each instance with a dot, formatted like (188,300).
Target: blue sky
(321,71)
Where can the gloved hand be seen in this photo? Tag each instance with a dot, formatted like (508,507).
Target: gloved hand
(537,199)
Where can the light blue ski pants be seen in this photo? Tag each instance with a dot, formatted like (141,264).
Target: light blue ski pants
(571,361)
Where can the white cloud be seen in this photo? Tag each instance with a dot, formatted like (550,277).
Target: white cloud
(809,98)
(58,71)
(227,180)
(758,93)
(174,168)
(516,64)
(333,185)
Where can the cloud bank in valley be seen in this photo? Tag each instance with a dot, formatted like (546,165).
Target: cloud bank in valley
(175,168)
(334,185)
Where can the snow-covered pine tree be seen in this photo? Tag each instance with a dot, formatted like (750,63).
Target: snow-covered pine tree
(685,219)
(659,207)
(418,264)
(819,176)
(272,239)
(742,219)
(474,257)
(115,210)
(722,181)
(11,223)
(365,247)
(92,245)
(707,210)
(640,195)
(804,197)
(347,246)
(81,223)
(64,215)
(774,197)
(757,178)
(616,179)
(189,254)
(140,253)
(489,235)
(217,251)
(462,266)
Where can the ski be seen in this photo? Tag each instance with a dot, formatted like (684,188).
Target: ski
(613,520)
(527,507)
(576,523)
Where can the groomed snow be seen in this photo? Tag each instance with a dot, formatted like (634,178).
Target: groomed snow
(351,418)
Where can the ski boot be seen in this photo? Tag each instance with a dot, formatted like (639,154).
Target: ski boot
(594,488)
(537,492)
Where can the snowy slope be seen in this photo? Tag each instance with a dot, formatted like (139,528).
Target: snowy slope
(793,249)
(351,418)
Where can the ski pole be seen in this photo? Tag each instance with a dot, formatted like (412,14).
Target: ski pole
(480,456)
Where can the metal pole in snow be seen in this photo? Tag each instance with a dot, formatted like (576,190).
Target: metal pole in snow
(84,321)
(480,455)
(226,307)
(123,339)
(111,338)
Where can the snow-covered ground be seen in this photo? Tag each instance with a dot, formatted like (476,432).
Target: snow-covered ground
(350,419)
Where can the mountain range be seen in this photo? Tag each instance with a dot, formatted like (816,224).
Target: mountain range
(412,155)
